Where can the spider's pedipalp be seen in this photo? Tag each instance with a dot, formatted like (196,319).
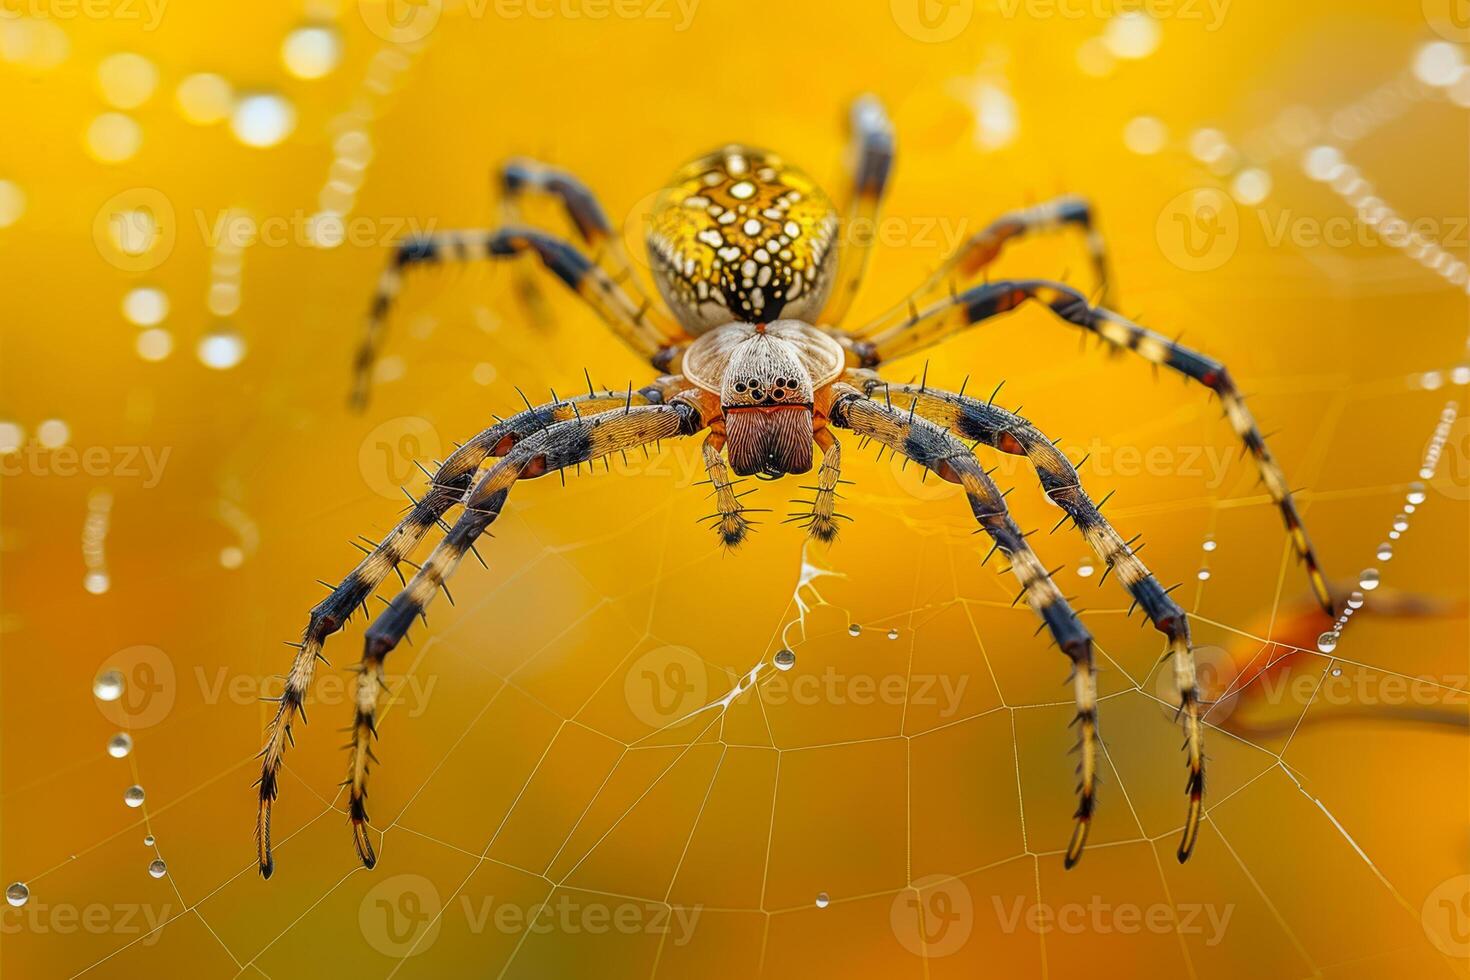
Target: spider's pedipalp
(981,303)
(732,525)
(568,442)
(1006,432)
(628,316)
(446,488)
(939,451)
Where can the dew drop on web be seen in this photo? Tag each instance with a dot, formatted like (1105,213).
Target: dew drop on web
(1327,642)
(17,894)
(108,686)
(133,796)
(120,745)
(785,659)
(1368,581)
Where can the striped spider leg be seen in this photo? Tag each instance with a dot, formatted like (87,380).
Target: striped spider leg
(1007,432)
(631,315)
(564,444)
(870,163)
(447,489)
(980,303)
(939,451)
(973,258)
(522,177)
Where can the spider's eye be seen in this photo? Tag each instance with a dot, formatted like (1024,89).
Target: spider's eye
(778,393)
(780,382)
(740,386)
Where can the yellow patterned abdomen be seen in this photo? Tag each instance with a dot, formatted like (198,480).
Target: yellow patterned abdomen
(741,236)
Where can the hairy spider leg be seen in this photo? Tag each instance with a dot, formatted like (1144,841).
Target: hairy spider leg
(446,489)
(983,248)
(522,177)
(1009,433)
(980,303)
(629,319)
(871,152)
(942,454)
(567,443)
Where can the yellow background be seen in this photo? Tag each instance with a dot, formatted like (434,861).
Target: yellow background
(1324,857)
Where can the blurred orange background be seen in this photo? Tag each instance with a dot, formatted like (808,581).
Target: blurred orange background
(195,203)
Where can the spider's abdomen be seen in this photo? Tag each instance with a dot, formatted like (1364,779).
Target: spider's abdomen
(740,235)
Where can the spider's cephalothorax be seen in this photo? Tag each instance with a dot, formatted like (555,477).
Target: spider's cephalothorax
(766,377)
(751,351)
(740,235)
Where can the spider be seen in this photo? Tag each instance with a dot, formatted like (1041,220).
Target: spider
(748,256)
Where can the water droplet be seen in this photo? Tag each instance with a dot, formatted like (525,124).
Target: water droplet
(133,797)
(1085,569)
(1204,574)
(823,900)
(1416,493)
(785,659)
(854,629)
(1401,523)
(108,686)
(1368,581)
(311,52)
(154,345)
(222,348)
(127,80)
(120,745)
(1327,642)
(1336,671)
(146,306)
(97,582)
(148,841)
(1385,552)
(157,868)
(262,120)
(204,99)
(1210,544)
(893,634)
(17,894)
(1356,600)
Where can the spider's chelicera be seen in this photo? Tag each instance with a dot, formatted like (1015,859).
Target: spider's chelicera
(748,256)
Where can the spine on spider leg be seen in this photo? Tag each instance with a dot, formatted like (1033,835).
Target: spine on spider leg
(332,612)
(1076,642)
(390,626)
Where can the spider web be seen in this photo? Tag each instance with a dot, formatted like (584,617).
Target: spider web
(734,803)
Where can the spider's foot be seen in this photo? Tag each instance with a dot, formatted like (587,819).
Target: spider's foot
(1078,841)
(266,860)
(360,841)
